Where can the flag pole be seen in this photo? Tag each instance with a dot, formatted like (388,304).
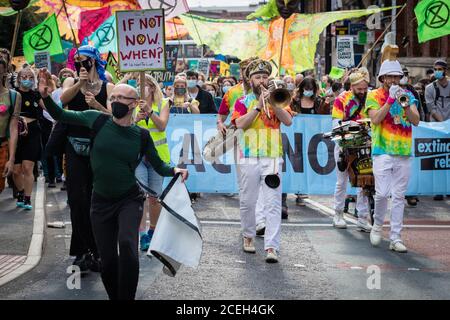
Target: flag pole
(381,36)
(16,31)
(70,25)
(281,49)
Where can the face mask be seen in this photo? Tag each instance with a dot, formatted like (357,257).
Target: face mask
(404,81)
(191,83)
(290,86)
(324,85)
(200,83)
(27,83)
(308,93)
(87,64)
(439,74)
(225,89)
(62,79)
(213,93)
(180,91)
(119,109)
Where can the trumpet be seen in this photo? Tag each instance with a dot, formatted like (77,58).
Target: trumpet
(279,96)
(402,98)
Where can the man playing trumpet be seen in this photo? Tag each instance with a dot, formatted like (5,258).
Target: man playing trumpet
(392,111)
(260,158)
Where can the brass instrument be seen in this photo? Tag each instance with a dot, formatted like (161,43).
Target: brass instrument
(279,96)
(402,98)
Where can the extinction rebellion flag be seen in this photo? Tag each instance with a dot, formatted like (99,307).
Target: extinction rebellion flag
(432,19)
(43,37)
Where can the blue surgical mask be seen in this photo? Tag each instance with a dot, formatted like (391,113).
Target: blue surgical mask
(225,89)
(290,86)
(191,83)
(439,74)
(27,83)
(308,93)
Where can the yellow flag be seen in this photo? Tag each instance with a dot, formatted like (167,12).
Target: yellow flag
(224,69)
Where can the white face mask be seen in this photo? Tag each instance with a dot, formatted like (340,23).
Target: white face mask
(213,93)
(404,81)
(200,83)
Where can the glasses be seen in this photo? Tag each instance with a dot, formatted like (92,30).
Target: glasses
(122,98)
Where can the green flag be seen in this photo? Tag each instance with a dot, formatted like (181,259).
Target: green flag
(267,11)
(432,19)
(112,68)
(43,37)
(336,73)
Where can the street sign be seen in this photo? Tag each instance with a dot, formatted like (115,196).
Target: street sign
(141,40)
(344,52)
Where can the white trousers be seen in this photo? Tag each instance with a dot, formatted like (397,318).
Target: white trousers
(340,192)
(253,189)
(391,179)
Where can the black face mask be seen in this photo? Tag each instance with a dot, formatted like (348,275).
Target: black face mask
(119,109)
(87,64)
(180,91)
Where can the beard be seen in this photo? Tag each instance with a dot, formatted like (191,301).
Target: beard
(257,89)
(361,96)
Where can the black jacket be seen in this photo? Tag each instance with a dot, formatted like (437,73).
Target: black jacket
(206,101)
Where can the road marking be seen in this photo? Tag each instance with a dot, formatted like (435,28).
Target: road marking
(231,222)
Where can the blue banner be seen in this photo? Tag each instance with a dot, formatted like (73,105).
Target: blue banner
(309,165)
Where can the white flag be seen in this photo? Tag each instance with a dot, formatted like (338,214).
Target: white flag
(172,8)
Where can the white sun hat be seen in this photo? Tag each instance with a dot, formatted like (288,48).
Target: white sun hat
(389,67)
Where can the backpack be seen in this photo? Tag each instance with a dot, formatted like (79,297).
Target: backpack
(100,122)
(437,94)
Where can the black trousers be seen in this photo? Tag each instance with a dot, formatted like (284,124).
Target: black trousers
(79,193)
(48,160)
(117,222)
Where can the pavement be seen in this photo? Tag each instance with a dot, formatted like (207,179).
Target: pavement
(316,260)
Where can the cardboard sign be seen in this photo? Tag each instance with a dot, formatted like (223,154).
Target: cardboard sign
(203,67)
(167,77)
(42,60)
(344,52)
(141,40)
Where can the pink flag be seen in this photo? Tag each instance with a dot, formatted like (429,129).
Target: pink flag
(90,20)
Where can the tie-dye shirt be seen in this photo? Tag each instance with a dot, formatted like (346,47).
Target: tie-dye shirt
(394,134)
(345,105)
(263,137)
(230,98)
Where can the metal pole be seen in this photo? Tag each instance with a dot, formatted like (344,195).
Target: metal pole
(328,44)
(281,49)
(394,22)
(16,31)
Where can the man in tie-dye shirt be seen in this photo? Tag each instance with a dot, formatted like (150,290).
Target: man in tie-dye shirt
(349,105)
(391,150)
(260,156)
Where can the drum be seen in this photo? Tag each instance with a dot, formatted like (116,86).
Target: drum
(360,166)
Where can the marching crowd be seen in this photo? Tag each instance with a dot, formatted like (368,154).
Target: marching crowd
(84,129)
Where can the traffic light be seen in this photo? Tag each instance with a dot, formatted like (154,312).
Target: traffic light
(19,4)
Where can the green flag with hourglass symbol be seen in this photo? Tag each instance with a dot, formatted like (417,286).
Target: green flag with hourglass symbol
(432,19)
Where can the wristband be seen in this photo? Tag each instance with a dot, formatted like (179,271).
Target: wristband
(390,100)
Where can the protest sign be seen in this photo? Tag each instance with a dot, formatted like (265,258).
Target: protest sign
(42,60)
(203,67)
(141,40)
(167,77)
(344,52)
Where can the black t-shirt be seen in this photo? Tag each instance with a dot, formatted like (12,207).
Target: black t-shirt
(30,104)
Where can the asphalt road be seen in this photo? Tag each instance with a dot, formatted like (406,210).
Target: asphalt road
(316,260)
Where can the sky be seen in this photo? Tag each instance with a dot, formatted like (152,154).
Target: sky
(212,3)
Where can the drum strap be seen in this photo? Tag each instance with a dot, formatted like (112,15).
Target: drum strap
(355,114)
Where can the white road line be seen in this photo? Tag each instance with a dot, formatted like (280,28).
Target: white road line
(205,222)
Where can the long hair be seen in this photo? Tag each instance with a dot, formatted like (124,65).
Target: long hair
(309,83)
(157,93)
(21,72)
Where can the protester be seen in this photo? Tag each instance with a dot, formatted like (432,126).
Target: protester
(257,163)
(306,101)
(227,84)
(437,97)
(298,79)
(180,101)
(204,98)
(213,89)
(9,113)
(168,91)
(89,91)
(116,200)
(391,150)
(290,83)
(29,149)
(349,106)
(153,115)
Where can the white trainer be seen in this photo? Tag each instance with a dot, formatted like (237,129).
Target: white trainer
(398,246)
(363,225)
(338,220)
(260,229)
(248,245)
(272,256)
(376,234)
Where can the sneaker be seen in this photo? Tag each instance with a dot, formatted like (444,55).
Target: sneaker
(284,213)
(260,229)
(63,187)
(438,197)
(27,205)
(248,245)
(51,184)
(81,262)
(20,201)
(398,246)
(59,180)
(299,201)
(93,262)
(150,233)
(375,235)
(144,242)
(338,220)
(412,202)
(363,225)
(272,256)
